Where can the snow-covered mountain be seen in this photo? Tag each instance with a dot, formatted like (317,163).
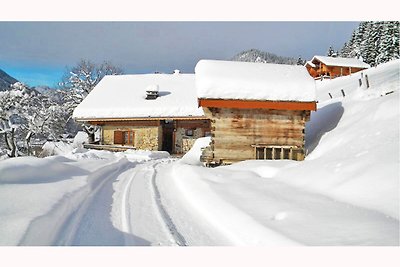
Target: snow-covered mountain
(344,193)
(6,80)
(255,55)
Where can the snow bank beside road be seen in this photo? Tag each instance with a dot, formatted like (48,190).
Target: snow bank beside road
(192,157)
(31,170)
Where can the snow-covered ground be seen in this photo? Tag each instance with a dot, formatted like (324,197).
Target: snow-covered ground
(346,192)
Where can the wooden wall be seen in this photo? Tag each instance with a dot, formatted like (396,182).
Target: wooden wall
(332,71)
(235,131)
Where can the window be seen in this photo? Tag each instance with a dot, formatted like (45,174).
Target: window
(189,132)
(273,152)
(124,138)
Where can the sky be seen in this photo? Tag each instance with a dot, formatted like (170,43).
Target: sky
(37,53)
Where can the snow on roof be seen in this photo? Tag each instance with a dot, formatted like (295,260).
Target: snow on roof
(124,96)
(310,63)
(253,81)
(340,61)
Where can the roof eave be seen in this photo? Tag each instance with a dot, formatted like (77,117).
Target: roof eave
(258,104)
(142,118)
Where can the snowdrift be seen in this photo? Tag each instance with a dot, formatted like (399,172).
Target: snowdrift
(350,175)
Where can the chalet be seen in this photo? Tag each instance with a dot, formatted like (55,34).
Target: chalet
(322,66)
(257,110)
(149,112)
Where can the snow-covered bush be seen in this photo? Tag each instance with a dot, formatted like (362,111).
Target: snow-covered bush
(62,148)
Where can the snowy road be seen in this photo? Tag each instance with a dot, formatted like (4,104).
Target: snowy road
(120,201)
(139,209)
(119,206)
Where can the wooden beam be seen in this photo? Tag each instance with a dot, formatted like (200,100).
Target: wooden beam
(140,119)
(256,104)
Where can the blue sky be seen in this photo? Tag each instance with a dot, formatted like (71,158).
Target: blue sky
(37,53)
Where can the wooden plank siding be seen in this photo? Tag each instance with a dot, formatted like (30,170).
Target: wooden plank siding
(236,132)
(331,71)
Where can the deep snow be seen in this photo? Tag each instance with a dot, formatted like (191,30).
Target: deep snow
(124,96)
(218,79)
(346,192)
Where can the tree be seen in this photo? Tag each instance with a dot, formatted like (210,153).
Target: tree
(79,81)
(345,51)
(300,61)
(331,52)
(388,48)
(25,113)
(374,42)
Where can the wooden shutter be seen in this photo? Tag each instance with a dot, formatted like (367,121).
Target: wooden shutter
(118,137)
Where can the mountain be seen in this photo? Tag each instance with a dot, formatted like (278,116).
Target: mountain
(255,55)
(6,80)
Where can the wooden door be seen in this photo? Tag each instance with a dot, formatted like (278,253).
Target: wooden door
(118,137)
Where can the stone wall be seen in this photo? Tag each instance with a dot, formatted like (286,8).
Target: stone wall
(184,143)
(146,137)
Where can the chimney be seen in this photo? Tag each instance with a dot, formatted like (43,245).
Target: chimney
(152,91)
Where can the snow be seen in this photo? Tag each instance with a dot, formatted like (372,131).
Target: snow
(382,79)
(193,155)
(253,81)
(340,61)
(124,96)
(310,63)
(63,148)
(344,193)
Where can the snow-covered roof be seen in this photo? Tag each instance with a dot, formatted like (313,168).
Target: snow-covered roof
(340,61)
(124,97)
(253,81)
(310,63)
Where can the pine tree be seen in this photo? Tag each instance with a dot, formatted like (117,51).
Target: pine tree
(373,42)
(345,51)
(300,61)
(330,52)
(388,47)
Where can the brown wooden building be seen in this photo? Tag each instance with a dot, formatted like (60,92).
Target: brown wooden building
(331,67)
(257,110)
(146,112)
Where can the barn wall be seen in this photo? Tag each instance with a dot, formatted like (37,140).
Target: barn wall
(146,137)
(236,131)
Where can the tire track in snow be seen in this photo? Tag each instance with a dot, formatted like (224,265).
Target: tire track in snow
(178,237)
(125,214)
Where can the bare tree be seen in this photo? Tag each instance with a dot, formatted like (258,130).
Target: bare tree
(80,80)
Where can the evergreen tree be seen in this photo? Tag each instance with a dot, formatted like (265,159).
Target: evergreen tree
(373,42)
(301,61)
(388,47)
(345,51)
(330,52)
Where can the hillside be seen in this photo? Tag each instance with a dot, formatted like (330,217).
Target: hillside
(254,55)
(6,80)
